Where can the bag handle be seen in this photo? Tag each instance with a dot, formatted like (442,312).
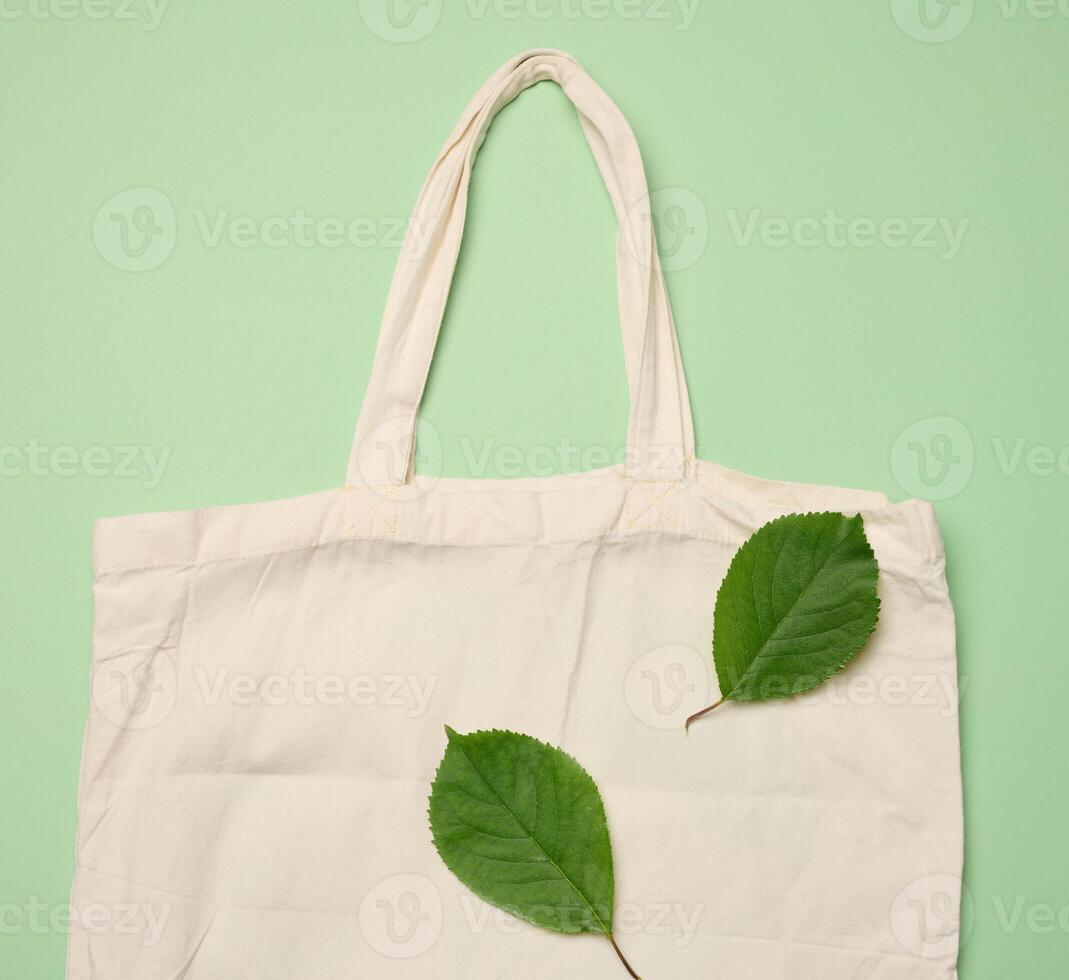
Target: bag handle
(660,430)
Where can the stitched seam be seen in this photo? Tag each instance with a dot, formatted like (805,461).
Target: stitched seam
(916,561)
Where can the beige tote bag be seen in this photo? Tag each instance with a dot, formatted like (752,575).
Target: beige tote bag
(271,683)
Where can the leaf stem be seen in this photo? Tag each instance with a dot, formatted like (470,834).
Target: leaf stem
(623,959)
(699,714)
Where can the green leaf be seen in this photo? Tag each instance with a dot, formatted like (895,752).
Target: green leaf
(522,825)
(798,602)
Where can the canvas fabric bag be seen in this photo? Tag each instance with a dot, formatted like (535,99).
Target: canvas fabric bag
(271,681)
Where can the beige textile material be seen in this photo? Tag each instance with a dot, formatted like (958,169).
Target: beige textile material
(271,682)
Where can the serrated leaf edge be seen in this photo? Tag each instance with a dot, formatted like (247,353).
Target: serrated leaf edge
(452,738)
(850,656)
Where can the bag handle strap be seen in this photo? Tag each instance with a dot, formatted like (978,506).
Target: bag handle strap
(660,430)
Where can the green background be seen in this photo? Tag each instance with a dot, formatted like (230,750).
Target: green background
(247,364)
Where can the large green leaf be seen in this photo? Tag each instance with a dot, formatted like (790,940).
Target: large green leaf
(522,825)
(798,602)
